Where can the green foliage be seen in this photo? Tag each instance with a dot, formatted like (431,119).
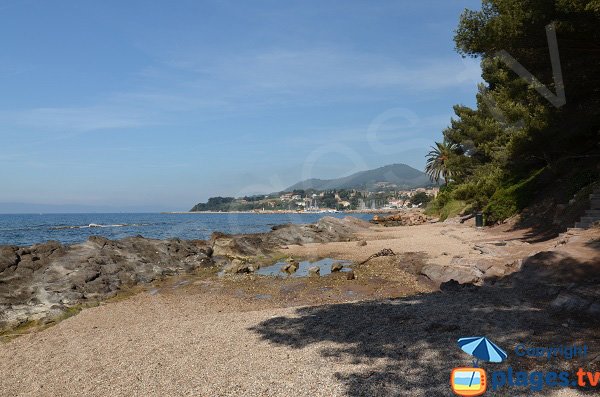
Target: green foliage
(452,208)
(214,204)
(438,159)
(514,129)
(328,200)
(420,198)
(445,205)
(509,200)
(446,208)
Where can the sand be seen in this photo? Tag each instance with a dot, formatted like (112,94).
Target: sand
(245,336)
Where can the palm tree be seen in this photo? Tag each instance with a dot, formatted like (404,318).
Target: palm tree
(437,161)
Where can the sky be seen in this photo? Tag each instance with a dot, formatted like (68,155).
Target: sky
(158,105)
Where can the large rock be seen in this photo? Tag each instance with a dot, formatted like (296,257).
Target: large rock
(404,218)
(238,267)
(327,229)
(39,281)
(462,274)
(8,257)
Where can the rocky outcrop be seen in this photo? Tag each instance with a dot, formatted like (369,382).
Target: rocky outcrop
(327,229)
(237,266)
(470,271)
(42,281)
(405,218)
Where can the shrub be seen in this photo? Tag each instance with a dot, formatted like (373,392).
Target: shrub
(509,200)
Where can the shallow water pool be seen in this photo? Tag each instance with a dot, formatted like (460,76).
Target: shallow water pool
(323,264)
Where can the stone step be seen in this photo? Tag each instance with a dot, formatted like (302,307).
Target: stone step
(581,225)
(595,204)
(589,219)
(592,213)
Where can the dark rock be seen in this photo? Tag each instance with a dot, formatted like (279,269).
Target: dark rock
(570,303)
(336,267)
(455,286)
(8,257)
(291,267)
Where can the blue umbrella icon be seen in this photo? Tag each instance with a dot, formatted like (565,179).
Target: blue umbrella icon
(482,349)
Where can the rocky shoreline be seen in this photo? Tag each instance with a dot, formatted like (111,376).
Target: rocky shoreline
(42,282)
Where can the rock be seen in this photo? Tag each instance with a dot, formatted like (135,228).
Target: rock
(36,279)
(594,310)
(290,267)
(403,218)
(8,257)
(350,275)
(461,274)
(455,286)
(238,266)
(361,243)
(238,246)
(314,271)
(570,302)
(336,267)
(383,252)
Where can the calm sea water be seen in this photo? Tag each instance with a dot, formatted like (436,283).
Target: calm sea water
(74,228)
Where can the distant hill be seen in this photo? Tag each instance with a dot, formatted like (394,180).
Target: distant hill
(401,175)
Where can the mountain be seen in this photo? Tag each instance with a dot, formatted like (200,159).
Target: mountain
(401,175)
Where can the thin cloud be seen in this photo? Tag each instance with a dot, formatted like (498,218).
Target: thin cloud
(80,119)
(237,84)
(291,72)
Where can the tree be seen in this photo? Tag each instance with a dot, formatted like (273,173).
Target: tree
(516,142)
(438,159)
(420,198)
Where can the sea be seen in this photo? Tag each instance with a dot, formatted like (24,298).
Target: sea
(29,229)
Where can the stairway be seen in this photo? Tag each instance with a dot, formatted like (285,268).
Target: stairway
(593,214)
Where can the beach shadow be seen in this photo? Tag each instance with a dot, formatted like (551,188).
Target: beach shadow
(408,346)
(595,244)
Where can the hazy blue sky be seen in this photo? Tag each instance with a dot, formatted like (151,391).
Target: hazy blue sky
(161,104)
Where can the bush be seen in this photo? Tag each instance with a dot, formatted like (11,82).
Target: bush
(509,200)
(420,198)
(444,206)
(452,209)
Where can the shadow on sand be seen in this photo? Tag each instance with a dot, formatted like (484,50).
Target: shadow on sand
(407,347)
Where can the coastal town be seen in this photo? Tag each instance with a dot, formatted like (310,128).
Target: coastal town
(387,198)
